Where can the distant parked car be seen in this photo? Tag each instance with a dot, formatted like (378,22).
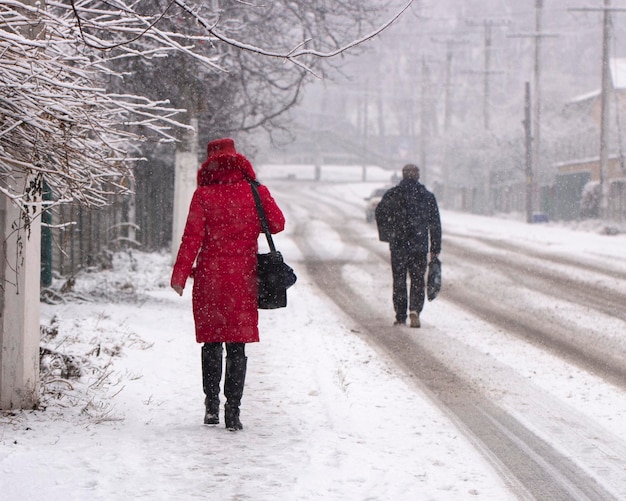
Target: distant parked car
(372,203)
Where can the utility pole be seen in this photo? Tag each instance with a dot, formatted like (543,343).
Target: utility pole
(450,43)
(447,123)
(486,80)
(487,25)
(448,108)
(535,123)
(607,86)
(366,105)
(423,123)
(536,117)
(604,121)
(529,161)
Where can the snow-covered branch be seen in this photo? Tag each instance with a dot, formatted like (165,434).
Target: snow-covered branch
(59,61)
(58,121)
(296,52)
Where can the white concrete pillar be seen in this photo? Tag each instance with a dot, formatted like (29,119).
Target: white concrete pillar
(186,165)
(19,304)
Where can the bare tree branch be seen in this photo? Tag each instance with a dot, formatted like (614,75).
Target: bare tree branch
(294,53)
(60,120)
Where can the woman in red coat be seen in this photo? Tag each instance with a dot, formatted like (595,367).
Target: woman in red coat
(221,236)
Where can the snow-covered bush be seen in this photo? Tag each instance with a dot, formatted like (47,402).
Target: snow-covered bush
(590,200)
(77,354)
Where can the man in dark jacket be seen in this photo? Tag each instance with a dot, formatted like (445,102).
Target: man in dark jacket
(408,218)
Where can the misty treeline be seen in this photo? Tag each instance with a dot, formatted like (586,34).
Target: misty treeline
(96,96)
(446,88)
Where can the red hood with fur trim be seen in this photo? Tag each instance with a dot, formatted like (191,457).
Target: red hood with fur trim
(225,168)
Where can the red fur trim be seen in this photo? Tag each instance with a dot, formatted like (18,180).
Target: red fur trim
(225,168)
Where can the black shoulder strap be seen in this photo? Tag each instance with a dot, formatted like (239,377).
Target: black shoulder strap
(261,212)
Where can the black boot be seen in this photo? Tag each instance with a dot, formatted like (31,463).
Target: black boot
(211,377)
(233,390)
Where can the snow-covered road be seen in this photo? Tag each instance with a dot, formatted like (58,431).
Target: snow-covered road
(538,311)
(480,403)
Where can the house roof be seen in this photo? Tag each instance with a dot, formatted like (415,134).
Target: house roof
(585,97)
(617,66)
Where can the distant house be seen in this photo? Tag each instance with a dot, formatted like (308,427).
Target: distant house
(577,179)
(590,102)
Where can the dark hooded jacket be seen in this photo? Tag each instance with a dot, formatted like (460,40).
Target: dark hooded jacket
(221,232)
(408,218)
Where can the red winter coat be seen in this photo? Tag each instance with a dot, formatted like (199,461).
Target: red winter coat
(222,231)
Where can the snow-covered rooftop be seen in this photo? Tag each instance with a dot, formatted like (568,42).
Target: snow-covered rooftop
(618,78)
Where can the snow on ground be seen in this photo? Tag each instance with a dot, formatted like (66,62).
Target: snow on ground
(325,415)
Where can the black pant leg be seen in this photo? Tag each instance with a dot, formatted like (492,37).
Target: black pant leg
(399,273)
(236,350)
(417,265)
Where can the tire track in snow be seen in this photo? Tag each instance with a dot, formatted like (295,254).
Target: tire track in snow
(530,466)
(605,269)
(565,339)
(536,275)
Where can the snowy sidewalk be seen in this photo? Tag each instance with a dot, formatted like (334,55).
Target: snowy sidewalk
(325,416)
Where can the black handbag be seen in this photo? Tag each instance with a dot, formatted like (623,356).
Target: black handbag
(274,275)
(433,284)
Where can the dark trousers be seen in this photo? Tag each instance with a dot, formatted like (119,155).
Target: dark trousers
(414,264)
(233,350)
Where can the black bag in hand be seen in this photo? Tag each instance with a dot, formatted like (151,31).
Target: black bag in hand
(433,285)
(274,275)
